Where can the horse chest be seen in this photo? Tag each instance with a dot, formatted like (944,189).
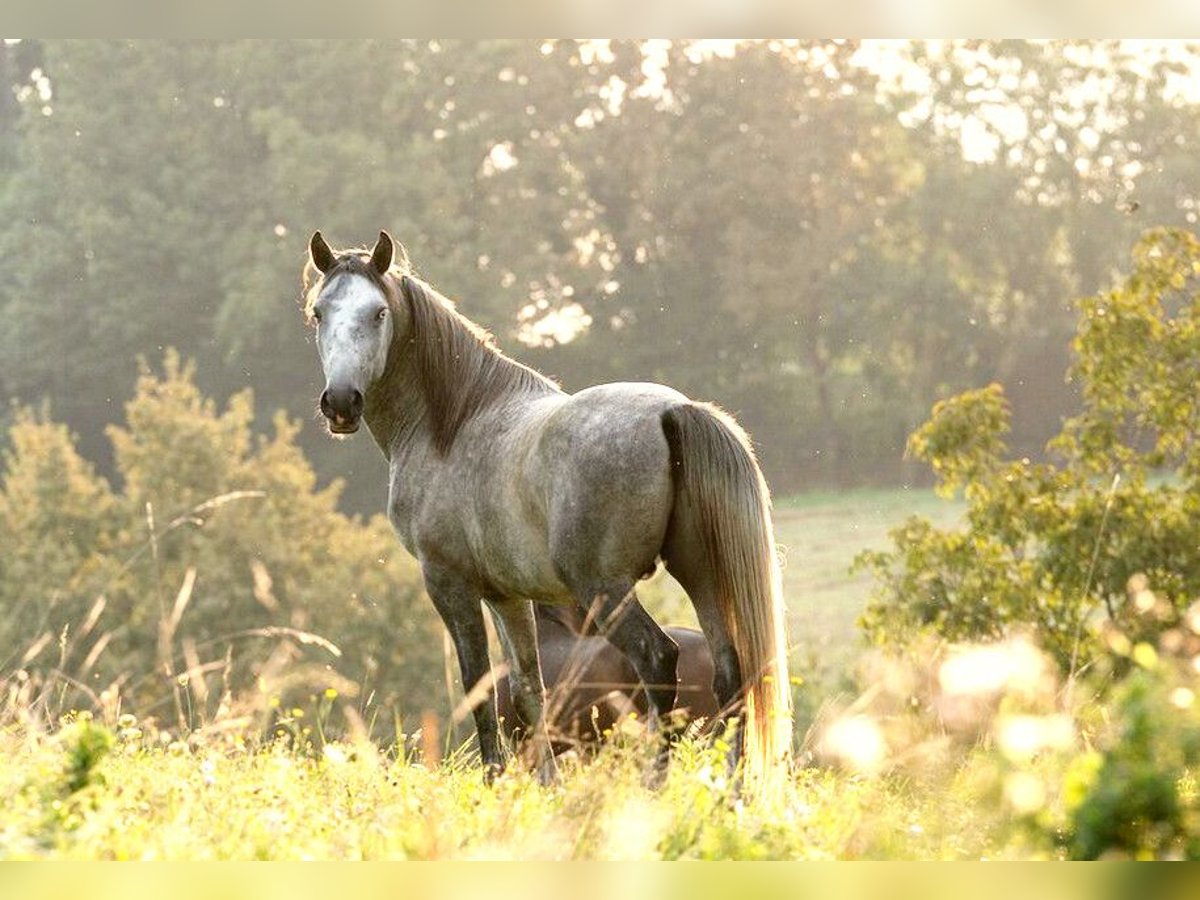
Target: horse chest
(402,507)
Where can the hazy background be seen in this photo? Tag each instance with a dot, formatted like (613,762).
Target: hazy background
(824,238)
(207,652)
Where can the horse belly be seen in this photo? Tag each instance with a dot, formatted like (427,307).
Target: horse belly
(523,567)
(537,586)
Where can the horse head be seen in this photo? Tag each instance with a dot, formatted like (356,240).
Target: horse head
(354,308)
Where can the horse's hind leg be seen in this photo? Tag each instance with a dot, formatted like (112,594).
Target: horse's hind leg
(518,631)
(626,625)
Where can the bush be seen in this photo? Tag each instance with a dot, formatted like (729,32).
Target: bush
(1053,545)
(219,577)
(61,525)
(1096,554)
(1126,786)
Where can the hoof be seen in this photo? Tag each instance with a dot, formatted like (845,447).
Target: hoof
(492,771)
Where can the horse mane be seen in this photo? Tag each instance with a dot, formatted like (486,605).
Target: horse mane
(459,367)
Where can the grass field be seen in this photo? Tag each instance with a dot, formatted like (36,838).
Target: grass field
(229,801)
(823,534)
(125,790)
(820,535)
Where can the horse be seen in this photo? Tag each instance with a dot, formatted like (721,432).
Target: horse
(591,686)
(511,492)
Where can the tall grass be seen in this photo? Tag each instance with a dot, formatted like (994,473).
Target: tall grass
(874,778)
(946,753)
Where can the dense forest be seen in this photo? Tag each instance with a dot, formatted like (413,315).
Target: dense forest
(825,238)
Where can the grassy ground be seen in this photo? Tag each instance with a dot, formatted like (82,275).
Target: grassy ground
(821,534)
(129,791)
(144,800)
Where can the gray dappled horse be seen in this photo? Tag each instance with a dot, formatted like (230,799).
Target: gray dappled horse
(508,490)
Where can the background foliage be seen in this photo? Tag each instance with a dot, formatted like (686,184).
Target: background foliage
(1054,546)
(825,238)
(1092,554)
(217,578)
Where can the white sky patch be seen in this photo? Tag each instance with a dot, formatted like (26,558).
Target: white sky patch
(655,59)
(596,50)
(612,92)
(993,82)
(706,48)
(980,144)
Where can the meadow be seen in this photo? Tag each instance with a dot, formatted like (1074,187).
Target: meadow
(231,801)
(932,749)
(127,789)
(213,647)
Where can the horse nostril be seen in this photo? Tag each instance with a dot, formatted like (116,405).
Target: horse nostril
(342,403)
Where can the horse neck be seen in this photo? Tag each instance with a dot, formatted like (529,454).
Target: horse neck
(441,373)
(395,410)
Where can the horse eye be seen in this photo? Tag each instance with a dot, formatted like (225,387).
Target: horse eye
(316,315)
(381,315)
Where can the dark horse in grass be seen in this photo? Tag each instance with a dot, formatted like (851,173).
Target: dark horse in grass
(591,685)
(511,492)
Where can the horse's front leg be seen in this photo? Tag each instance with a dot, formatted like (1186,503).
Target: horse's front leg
(518,630)
(457,601)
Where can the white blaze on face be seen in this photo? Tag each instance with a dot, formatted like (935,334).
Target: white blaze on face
(355,332)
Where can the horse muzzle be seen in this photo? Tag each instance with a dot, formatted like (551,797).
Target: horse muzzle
(342,408)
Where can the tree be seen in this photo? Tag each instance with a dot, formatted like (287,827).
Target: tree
(218,561)
(771,225)
(1055,546)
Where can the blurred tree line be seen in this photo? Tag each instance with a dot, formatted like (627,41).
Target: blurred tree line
(825,238)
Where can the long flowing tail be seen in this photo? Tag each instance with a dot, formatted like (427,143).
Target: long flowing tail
(716,471)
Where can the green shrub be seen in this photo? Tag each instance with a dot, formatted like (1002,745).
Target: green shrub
(1053,545)
(218,580)
(1125,787)
(1095,553)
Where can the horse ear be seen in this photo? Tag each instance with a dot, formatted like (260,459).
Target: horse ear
(383,254)
(320,254)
